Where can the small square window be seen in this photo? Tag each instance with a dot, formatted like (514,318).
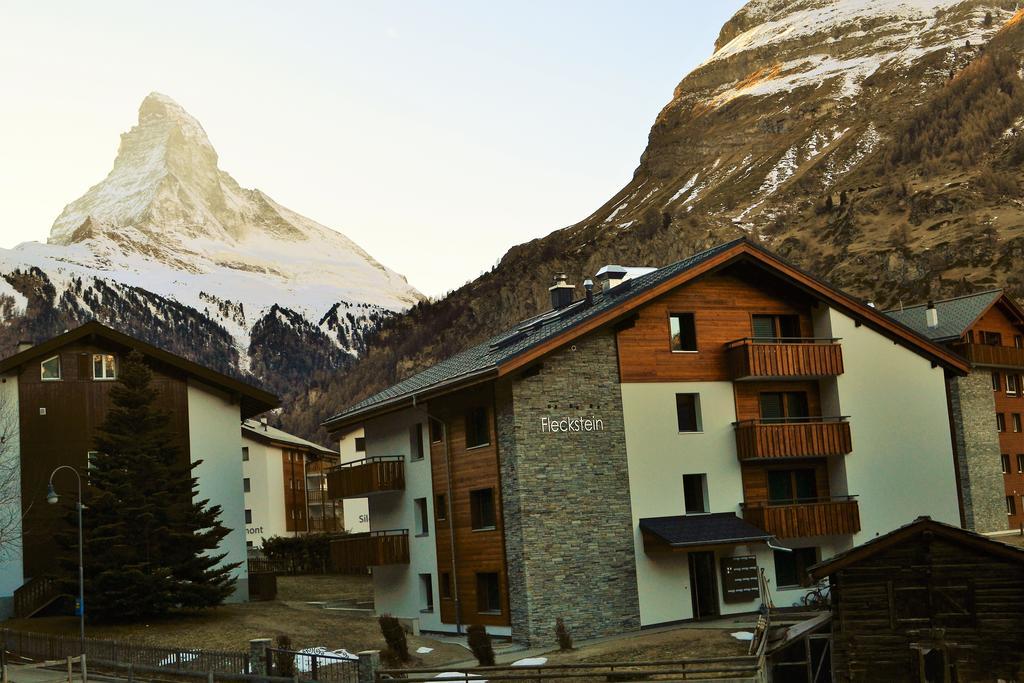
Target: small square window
(481,505)
(1005,459)
(446,586)
(246,485)
(1016,422)
(1020,463)
(1011,384)
(426,593)
(682,332)
(49,369)
(791,567)
(997,382)
(1001,422)
(688,415)
(360,444)
(478,432)
(488,593)
(245,454)
(103,366)
(436,431)
(416,441)
(695,493)
(248,516)
(1011,505)
(441,506)
(422,518)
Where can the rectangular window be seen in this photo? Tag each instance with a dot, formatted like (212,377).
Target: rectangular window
(1011,384)
(426,593)
(481,505)
(991,338)
(245,454)
(49,369)
(792,486)
(436,431)
(246,486)
(422,519)
(688,414)
(248,516)
(488,593)
(416,441)
(682,332)
(1016,422)
(1020,463)
(360,444)
(478,431)
(1011,505)
(446,586)
(103,366)
(791,567)
(695,493)
(997,382)
(784,406)
(1005,459)
(1018,341)
(775,327)
(441,506)
(1000,422)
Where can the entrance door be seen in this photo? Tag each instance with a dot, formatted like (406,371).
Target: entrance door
(703,586)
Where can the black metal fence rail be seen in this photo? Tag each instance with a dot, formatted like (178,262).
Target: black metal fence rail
(315,666)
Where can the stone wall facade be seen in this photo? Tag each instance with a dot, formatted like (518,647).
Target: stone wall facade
(978,453)
(565,496)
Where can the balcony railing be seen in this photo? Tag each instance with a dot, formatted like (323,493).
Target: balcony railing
(792,357)
(994,356)
(792,438)
(372,549)
(325,525)
(805,518)
(366,477)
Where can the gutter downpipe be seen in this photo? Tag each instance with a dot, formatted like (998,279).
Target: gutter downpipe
(449,513)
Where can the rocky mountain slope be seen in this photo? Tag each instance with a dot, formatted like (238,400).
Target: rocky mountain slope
(874,142)
(169,247)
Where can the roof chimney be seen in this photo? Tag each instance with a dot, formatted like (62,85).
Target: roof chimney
(24,346)
(610,275)
(561,292)
(588,285)
(931,316)
(263,421)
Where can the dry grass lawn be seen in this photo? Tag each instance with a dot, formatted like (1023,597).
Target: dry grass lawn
(230,627)
(680,643)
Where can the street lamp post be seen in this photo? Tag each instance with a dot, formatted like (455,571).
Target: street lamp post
(52,498)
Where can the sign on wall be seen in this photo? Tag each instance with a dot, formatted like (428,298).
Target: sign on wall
(740,579)
(571,424)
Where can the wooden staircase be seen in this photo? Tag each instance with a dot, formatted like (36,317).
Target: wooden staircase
(36,594)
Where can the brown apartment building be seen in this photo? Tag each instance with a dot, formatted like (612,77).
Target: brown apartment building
(986,406)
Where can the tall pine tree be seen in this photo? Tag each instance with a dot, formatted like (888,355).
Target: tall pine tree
(148,540)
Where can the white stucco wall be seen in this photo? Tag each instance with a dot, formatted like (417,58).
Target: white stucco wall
(214,432)
(397,587)
(901,466)
(265,470)
(11,574)
(356,510)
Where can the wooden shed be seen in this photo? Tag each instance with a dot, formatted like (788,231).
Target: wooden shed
(927,602)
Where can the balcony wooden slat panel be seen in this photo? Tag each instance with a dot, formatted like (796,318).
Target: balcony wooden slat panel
(995,356)
(801,520)
(808,358)
(756,440)
(373,549)
(366,477)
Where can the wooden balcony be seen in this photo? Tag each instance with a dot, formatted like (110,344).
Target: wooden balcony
(792,438)
(801,519)
(784,357)
(993,356)
(372,549)
(367,477)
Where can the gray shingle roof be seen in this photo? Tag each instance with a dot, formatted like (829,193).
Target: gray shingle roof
(717,527)
(257,430)
(955,315)
(527,334)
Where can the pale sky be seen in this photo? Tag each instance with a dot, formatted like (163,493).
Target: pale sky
(434,134)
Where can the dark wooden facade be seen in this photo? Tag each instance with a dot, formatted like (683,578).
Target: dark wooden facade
(927,602)
(296,511)
(758,440)
(58,421)
(758,358)
(468,469)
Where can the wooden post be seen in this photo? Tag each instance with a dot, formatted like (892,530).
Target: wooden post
(209,676)
(258,655)
(69,669)
(85,671)
(369,665)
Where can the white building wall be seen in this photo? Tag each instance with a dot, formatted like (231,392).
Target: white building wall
(397,589)
(356,510)
(265,471)
(11,573)
(214,432)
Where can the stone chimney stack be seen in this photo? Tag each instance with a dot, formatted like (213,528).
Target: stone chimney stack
(561,292)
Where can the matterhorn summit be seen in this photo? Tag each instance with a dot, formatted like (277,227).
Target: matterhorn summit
(169,237)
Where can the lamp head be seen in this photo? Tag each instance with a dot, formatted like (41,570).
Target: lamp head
(51,495)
